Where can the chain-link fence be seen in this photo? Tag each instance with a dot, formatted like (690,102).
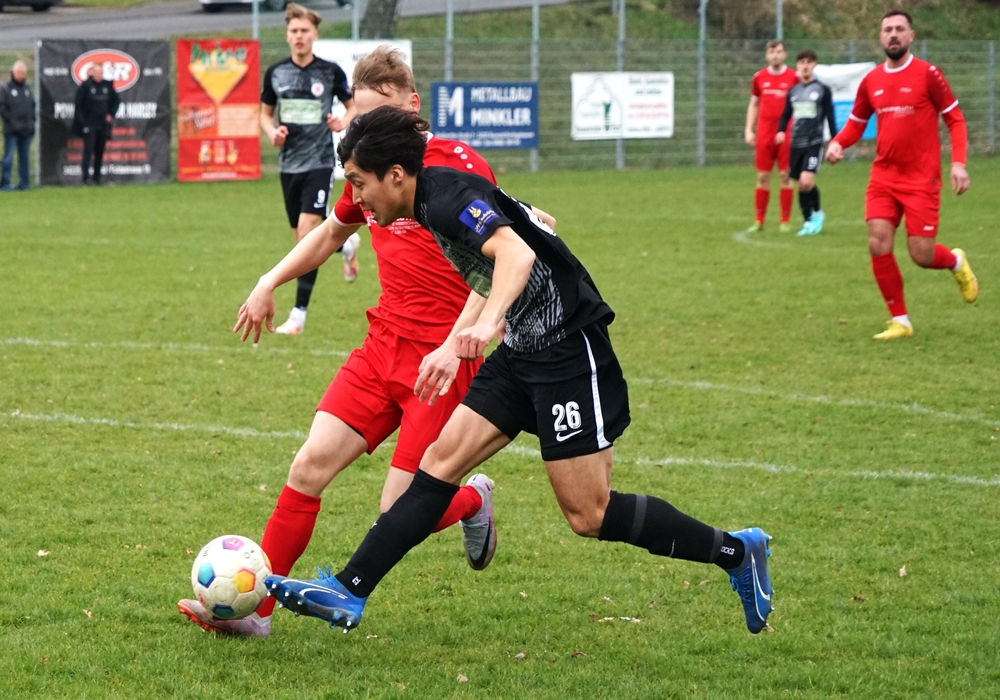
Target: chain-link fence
(968,65)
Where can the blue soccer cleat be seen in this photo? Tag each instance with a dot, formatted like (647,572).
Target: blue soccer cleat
(817,220)
(325,598)
(751,580)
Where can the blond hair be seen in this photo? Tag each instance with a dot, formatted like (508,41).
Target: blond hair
(381,69)
(296,11)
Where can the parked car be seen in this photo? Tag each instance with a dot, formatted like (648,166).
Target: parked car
(35,5)
(217,5)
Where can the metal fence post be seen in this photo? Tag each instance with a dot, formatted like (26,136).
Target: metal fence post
(923,49)
(356,19)
(535,34)
(779,20)
(449,41)
(255,20)
(702,30)
(38,118)
(852,152)
(991,113)
(620,143)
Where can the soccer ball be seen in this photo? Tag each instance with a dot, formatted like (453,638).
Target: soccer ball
(228,576)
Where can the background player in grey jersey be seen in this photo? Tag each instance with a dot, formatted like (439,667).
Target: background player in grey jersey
(301,89)
(811,103)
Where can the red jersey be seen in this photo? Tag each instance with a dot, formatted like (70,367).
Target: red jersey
(907,101)
(771,89)
(422,294)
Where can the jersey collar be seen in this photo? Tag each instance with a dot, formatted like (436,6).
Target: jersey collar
(901,68)
(776,73)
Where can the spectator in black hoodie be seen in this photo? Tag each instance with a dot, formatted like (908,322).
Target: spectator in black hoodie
(17,108)
(96,104)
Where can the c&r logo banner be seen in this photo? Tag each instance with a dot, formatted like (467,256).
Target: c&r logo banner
(486,115)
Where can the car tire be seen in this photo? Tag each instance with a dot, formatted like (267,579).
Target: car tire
(41,8)
(274,5)
(212,9)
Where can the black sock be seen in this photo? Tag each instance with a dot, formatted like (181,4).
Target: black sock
(305,289)
(815,199)
(654,524)
(805,202)
(409,522)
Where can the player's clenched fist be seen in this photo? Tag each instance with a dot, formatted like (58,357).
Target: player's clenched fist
(834,152)
(470,343)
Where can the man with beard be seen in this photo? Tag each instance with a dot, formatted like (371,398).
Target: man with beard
(907,95)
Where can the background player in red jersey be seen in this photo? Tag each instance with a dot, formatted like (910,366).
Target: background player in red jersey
(768,91)
(406,375)
(907,94)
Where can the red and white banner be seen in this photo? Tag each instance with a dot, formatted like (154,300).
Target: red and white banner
(218,109)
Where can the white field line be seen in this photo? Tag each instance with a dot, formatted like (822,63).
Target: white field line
(896,474)
(171,347)
(915,408)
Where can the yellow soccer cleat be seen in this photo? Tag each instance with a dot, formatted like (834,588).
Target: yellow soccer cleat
(784,227)
(756,228)
(968,285)
(893,330)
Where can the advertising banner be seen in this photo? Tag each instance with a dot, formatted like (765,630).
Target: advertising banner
(139,147)
(843,79)
(486,115)
(346,53)
(218,109)
(622,106)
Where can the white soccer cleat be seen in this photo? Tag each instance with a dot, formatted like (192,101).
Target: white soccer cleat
(350,253)
(295,324)
(252,626)
(479,533)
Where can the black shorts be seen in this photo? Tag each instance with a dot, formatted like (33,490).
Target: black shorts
(306,193)
(572,395)
(805,160)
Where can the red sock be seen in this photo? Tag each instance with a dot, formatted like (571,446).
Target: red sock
(787,196)
(761,197)
(944,259)
(287,534)
(463,506)
(890,282)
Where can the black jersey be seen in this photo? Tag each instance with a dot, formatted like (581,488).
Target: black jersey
(462,211)
(810,103)
(304,96)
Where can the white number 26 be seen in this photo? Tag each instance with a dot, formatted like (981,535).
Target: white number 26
(567,417)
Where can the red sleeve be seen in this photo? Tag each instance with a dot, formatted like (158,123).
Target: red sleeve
(755,85)
(346,211)
(959,135)
(861,112)
(939,90)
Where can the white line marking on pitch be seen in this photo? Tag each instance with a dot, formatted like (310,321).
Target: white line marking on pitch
(521,450)
(174,347)
(803,398)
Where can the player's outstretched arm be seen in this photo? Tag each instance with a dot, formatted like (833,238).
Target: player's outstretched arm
(512,263)
(313,250)
(439,367)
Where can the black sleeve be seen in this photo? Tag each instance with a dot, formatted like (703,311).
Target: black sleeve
(113,100)
(831,116)
(3,102)
(786,114)
(467,215)
(341,86)
(79,118)
(267,95)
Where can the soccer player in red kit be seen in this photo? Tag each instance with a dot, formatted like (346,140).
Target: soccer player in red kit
(768,91)
(406,375)
(907,95)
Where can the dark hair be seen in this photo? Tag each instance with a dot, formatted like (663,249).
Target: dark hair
(900,13)
(385,137)
(774,43)
(808,54)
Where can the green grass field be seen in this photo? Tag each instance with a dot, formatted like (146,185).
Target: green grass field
(135,428)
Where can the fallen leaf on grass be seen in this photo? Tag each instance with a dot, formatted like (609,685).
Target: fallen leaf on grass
(523,594)
(859,598)
(687,584)
(45,660)
(519,656)
(462,678)
(189,551)
(608,600)
(703,583)
(842,321)
(400,686)
(902,572)
(372,636)
(575,654)
(43,553)
(90,615)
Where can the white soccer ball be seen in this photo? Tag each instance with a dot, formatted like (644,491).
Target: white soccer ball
(228,576)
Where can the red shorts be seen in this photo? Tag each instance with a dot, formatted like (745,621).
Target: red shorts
(921,209)
(768,151)
(373,393)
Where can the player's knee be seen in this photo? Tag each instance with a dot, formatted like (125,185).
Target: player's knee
(585,523)
(311,469)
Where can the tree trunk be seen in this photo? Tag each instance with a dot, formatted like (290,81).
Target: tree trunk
(379,21)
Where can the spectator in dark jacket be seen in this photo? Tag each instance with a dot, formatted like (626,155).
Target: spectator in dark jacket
(17,108)
(96,104)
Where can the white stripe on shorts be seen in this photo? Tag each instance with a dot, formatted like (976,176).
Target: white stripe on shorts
(598,416)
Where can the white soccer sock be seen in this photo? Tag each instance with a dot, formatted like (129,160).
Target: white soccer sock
(958,263)
(904,320)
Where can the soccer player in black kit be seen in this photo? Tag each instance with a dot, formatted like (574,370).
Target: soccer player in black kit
(811,103)
(554,375)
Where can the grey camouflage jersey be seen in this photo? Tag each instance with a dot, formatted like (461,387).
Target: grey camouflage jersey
(810,103)
(303,97)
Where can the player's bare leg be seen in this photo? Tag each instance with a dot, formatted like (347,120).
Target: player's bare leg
(881,236)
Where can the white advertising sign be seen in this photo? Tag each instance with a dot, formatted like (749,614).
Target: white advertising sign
(346,53)
(622,105)
(843,79)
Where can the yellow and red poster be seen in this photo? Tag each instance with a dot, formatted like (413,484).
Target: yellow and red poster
(218,109)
